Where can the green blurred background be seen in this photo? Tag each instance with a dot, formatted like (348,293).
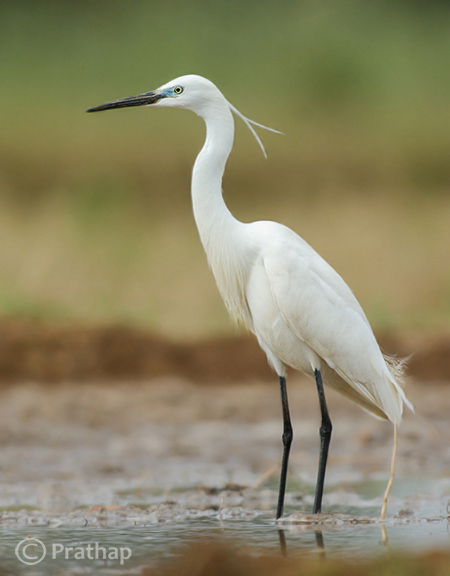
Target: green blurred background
(95,214)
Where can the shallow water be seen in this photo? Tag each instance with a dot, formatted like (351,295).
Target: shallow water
(151,543)
(128,537)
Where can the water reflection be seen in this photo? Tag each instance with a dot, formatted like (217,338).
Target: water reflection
(320,544)
(320,541)
(282,539)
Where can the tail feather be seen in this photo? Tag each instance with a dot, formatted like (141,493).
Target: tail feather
(384,400)
(396,368)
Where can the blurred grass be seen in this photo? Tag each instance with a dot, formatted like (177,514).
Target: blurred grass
(95,215)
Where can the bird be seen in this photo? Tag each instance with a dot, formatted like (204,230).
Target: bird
(301,311)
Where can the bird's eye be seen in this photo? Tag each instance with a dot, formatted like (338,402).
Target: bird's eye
(178,89)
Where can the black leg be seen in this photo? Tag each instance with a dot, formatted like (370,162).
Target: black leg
(325,437)
(287,441)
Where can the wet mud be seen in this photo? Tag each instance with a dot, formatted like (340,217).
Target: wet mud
(111,446)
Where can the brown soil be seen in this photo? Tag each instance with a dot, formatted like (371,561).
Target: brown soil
(54,353)
(218,560)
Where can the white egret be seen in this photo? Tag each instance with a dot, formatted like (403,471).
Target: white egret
(301,311)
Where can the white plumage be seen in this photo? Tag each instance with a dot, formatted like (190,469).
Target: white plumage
(301,311)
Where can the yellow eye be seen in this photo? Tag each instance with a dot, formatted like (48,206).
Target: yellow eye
(178,89)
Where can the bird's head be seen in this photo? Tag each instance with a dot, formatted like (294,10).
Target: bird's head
(191,92)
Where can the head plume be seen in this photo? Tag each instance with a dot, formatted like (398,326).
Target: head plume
(250,124)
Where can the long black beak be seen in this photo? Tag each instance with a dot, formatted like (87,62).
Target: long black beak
(145,99)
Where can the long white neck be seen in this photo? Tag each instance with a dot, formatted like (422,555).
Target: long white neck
(220,233)
(210,211)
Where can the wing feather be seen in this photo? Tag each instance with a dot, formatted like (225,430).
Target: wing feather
(322,312)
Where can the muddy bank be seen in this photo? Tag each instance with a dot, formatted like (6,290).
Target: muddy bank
(55,353)
(122,443)
(219,560)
